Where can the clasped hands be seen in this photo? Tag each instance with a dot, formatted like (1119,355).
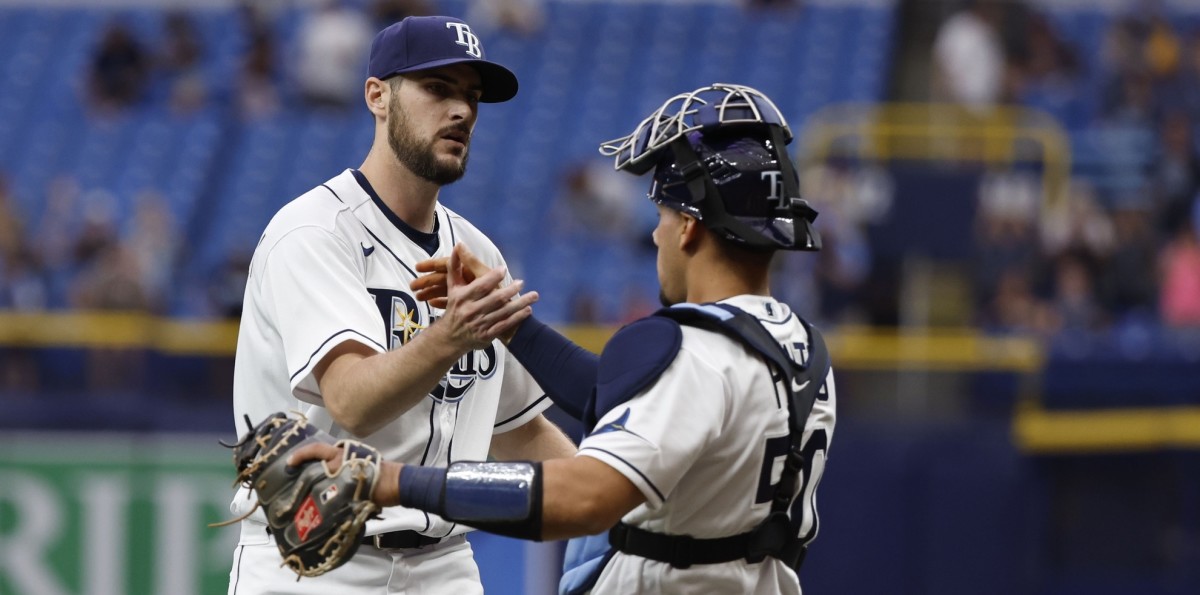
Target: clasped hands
(477,309)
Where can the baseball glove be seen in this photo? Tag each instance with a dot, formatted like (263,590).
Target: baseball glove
(318,518)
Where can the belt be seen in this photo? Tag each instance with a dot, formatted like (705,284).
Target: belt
(682,551)
(400,540)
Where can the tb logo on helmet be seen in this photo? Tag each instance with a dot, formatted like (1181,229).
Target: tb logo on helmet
(776,183)
(467,38)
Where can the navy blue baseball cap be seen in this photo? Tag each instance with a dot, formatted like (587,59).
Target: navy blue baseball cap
(421,43)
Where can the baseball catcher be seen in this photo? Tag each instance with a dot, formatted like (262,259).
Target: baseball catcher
(317,515)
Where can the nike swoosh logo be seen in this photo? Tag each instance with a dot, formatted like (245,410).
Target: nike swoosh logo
(619,426)
(366,250)
(799,387)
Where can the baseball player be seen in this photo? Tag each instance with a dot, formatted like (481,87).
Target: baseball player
(710,420)
(330,327)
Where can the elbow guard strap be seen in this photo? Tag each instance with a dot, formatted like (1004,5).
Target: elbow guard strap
(502,498)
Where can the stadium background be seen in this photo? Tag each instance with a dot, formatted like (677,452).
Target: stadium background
(1010,286)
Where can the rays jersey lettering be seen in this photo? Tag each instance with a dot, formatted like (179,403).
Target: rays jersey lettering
(404,320)
(401,315)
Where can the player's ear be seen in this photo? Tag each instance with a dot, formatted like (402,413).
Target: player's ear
(377,94)
(689,232)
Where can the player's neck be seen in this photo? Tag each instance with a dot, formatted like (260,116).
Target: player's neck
(409,196)
(713,281)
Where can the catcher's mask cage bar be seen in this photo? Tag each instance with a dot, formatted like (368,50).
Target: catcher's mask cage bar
(719,104)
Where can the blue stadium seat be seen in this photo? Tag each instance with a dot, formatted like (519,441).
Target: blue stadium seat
(588,76)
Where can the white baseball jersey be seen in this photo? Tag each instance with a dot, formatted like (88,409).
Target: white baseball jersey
(334,265)
(705,444)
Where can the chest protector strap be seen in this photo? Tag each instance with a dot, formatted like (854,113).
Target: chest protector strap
(776,535)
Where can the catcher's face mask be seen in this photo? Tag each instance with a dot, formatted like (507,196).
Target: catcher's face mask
(718,155)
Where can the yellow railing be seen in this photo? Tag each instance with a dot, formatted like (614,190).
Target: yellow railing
(1038,430)
(944,133)
(861,348)
(1035,429)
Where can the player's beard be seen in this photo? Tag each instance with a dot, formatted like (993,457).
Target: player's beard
(418,156)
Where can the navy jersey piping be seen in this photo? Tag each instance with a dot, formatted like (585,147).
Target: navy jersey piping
(335,194)
(325,342)
(631,466)
(426,241)
(389,251)
(429,442)
(523,411)
(791,315)
(237,571)
(449,226)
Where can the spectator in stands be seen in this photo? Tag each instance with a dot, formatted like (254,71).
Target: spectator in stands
(1012,307)
(56,233)
(386,12)
(1122,47)
(257,88)
(1179,269)
(1128,96)
(1082,226)
(772,4)
(1006,240)
(1163,50)
(1131,103)
(1185,93)
(154,244)
(594,202)
(1047,75)
(22,280)
(97,233)
(1176,175)
(969,57)
(179,61)
(228,285)
(636,304)
(23,283)
(1074,306)
(793,282)
(850,197)
(1128,282)
(332,42)
(582,307)
(23,288)
(119,70)
(12,224)
(522,17)
(111,283)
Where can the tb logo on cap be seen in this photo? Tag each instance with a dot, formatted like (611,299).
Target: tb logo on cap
(467,38)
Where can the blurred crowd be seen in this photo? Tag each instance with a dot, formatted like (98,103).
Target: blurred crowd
(1120,251)
(1113,254)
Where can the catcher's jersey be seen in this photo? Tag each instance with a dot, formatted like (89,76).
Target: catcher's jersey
(704,444)
(334,265)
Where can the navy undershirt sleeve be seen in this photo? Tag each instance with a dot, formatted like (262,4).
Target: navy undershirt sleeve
(566,371)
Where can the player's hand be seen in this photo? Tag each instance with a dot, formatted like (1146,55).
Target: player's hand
(387,486)
(431,287)
(480,311)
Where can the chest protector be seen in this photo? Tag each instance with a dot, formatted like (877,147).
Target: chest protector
(777,534)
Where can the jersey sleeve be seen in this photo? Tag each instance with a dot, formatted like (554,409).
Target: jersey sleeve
(521,398)
(314,286)
(656,436)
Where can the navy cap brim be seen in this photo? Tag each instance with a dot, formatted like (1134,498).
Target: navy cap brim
(499,83)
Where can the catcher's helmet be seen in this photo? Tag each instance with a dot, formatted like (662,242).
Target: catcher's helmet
(718,154)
